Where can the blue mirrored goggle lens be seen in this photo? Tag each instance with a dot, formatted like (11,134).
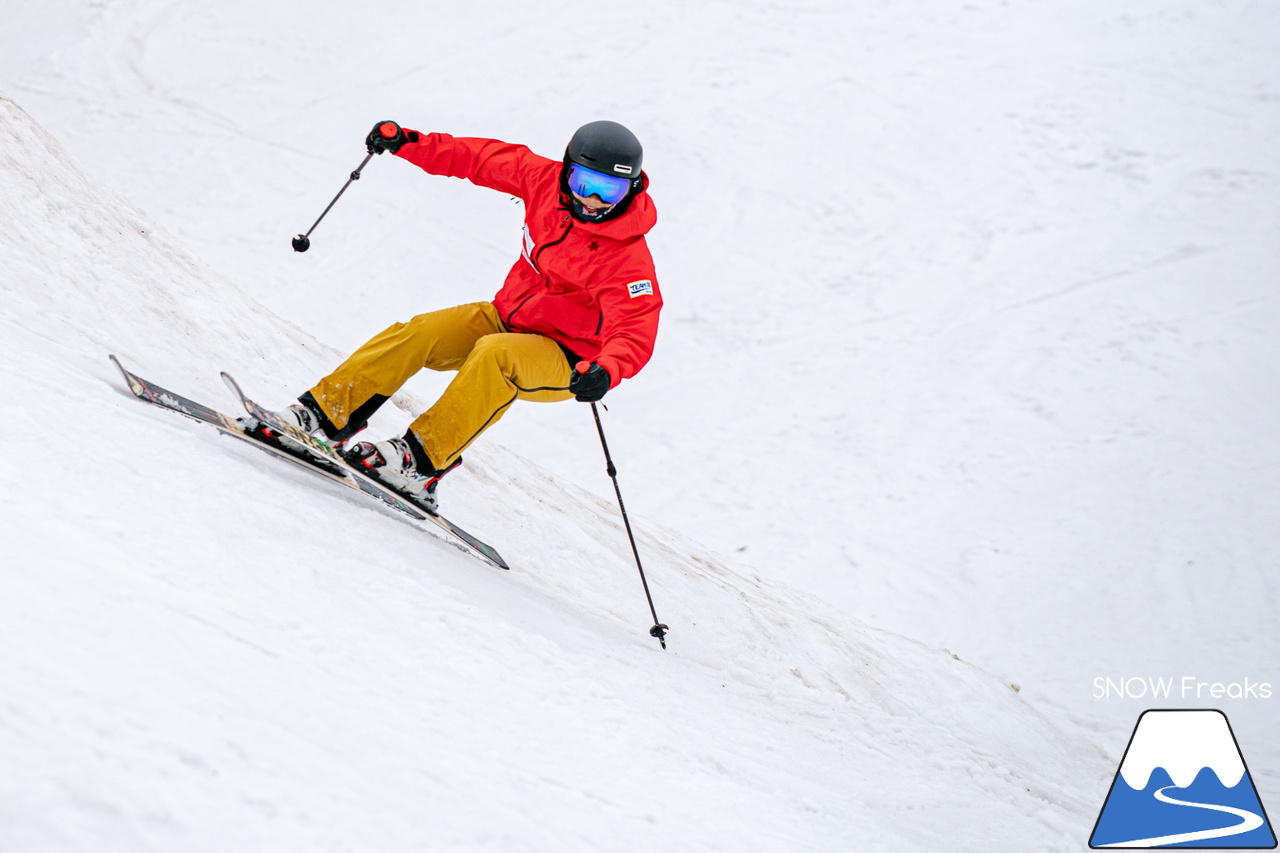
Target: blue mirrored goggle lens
(588,182)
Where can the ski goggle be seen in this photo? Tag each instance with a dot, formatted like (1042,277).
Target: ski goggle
(588,182)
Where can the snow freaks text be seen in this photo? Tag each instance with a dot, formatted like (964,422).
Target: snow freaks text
(1186,687)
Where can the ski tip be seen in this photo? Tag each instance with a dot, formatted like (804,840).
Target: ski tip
(129,378)
(232,384)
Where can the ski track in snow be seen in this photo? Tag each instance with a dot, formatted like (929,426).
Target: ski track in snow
(969,332)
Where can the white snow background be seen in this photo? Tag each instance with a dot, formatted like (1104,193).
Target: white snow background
(965,395)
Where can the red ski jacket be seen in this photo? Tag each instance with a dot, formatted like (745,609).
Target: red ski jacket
(589,286)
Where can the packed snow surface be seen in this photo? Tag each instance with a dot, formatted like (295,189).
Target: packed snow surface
(965,402)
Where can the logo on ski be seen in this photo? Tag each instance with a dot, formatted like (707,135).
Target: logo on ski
(1183,783)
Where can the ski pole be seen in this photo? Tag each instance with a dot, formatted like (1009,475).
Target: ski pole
(303,241)
(658,630)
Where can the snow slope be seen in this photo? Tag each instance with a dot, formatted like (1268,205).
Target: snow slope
(206,650)
(984,293)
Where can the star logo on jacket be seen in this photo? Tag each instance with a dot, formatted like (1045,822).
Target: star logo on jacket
(593,245)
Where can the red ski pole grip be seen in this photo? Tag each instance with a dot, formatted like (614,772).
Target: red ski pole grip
(389,129)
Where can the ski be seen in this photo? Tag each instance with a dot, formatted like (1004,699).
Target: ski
(328,465)
(327,454)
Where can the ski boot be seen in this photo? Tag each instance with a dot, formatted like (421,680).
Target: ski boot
(299,415)
(394,463)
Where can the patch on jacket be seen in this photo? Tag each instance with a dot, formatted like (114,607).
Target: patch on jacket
(640,288)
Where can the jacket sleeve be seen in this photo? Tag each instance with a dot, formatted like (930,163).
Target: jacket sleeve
(490,163)
(630,304)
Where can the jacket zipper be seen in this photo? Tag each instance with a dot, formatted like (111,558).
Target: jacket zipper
(516,310)
(546,282)
(543,248)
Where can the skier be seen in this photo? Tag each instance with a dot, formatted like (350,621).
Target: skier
(577,313)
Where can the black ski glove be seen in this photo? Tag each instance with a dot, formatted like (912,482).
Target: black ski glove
(590,382)
(388,136)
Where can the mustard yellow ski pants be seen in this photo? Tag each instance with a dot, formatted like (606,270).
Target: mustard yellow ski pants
(495,368)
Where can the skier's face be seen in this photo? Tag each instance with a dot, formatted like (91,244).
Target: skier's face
(593,204)
(591,208)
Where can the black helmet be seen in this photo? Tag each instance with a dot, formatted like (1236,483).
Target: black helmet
(608,147)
